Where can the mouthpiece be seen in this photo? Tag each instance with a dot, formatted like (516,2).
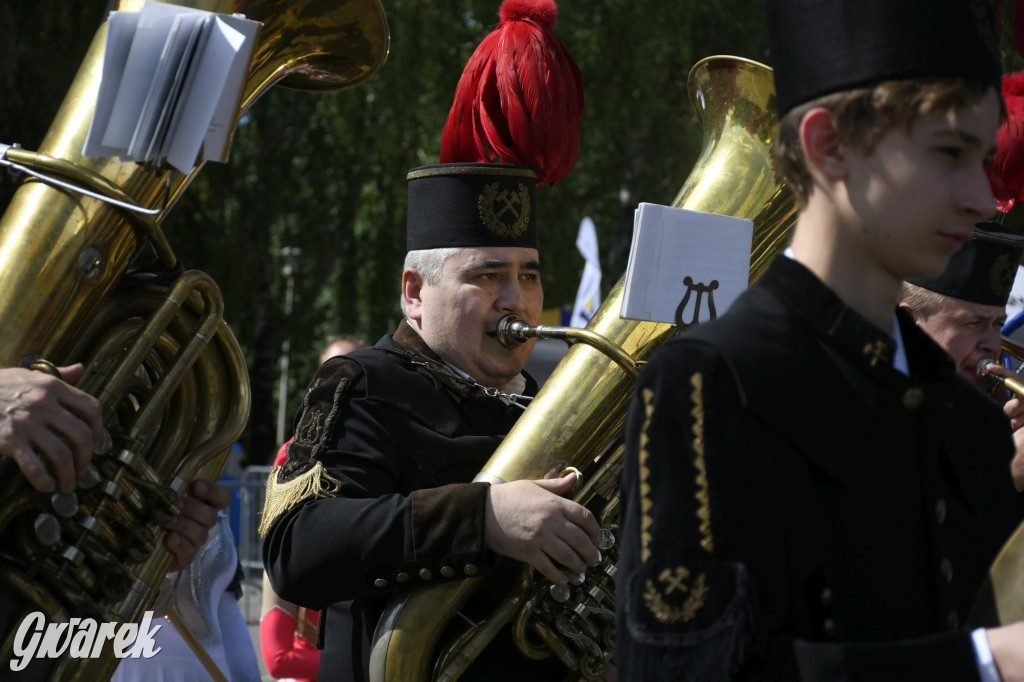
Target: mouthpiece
(1013,385)
(982,371)
(513,331)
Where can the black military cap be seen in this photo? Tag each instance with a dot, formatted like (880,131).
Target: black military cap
(471,204)
(983,270)
(819,47)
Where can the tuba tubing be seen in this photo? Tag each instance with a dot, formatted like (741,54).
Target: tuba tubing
(78,248)
(169,374)
(581,409)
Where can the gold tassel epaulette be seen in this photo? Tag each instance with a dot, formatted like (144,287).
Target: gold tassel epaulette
(313,484)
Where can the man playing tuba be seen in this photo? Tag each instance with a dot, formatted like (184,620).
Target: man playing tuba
(389,437)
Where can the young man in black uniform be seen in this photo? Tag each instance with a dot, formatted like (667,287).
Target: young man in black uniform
(810,490)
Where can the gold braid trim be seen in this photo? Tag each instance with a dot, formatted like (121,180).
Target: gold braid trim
(703,494)
(313,484)
(646,504)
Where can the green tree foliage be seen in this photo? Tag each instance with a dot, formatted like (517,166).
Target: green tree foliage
(325,173)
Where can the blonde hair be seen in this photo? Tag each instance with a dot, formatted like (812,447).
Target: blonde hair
(924,302)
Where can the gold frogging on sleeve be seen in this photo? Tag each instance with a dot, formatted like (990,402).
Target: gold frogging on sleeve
(645,473)
(707,540)
(313,484)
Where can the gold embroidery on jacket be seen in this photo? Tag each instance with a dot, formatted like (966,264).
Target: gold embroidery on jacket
(877,352)
(328,429)
(313,484)
(675,580)
(703,494)
(645,473)
(311,422)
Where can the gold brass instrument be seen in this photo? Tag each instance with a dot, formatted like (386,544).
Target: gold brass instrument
(1001,599)
(1014,386)
(166,369)
(578,415)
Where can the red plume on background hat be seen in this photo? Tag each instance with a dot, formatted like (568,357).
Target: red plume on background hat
(1006,174)
(520,97)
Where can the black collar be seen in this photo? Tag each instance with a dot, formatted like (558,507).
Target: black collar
(849,332)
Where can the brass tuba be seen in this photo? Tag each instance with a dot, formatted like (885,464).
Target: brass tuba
(166,369)
(578,415)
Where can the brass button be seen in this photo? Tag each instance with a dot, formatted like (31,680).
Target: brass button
(940,511)
(402,577)
(913,399)
(953,621)
(380,582)
(426,574)
(447,571)
(826,597)
(946,569)
(470,569)
(830,627)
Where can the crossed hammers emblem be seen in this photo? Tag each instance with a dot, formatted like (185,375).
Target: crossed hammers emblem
(511,201)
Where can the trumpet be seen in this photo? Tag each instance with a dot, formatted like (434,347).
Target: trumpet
(1016,352)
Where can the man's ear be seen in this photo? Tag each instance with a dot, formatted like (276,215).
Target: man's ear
(913,313)
(821,144)
(412,292)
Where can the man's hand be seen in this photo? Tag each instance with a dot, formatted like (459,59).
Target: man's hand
(190,528)
(1007,644)
(49,427)
(529,521)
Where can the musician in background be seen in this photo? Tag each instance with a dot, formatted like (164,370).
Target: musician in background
(810,491)
(389,438)
(964,310)
(50,429)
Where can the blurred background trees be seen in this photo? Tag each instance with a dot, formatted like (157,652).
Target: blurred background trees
(322,176)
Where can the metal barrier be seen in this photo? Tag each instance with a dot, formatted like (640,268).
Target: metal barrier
(247,495)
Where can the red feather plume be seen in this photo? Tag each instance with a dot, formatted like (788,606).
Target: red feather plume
(1006,174)
(520,97)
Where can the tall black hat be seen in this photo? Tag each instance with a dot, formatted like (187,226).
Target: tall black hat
(471,204)
(983,270)
(819,47)
(514,123)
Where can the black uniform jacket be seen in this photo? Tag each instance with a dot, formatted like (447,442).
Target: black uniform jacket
(795,508)
(402,435)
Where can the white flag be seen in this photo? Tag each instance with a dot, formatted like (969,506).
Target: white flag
(588,296)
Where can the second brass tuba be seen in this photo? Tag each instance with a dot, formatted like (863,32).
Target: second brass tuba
(166,369)
(577,417)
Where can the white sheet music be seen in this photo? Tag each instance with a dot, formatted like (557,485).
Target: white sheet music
(171,85)
(673,244)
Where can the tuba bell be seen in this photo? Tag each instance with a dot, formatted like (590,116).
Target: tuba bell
(167,371)
(577,417)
